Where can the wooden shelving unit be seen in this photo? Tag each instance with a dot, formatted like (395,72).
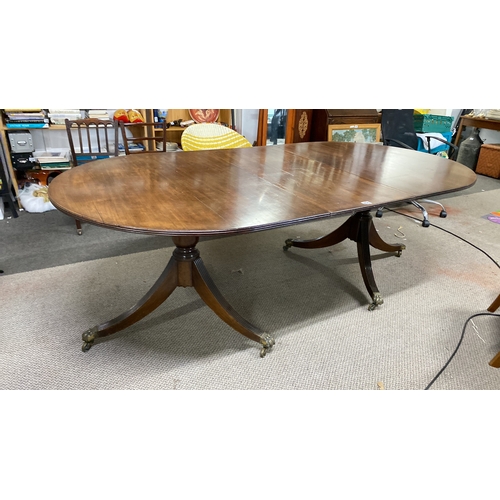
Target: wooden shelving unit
(173,133)
(5,141)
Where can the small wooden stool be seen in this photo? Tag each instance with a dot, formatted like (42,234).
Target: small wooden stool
(495,362)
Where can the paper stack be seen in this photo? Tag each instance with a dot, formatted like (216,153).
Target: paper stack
(57,116)
(100,114)
(53,159)
(493,114)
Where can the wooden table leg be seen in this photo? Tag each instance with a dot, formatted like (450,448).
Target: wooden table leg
(359,228)
(495,362)
(185,268)
(494,305)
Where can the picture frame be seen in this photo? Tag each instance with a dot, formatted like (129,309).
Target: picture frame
(354,132)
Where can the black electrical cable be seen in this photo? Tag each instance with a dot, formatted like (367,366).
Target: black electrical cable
(449,232)
(471,317)
(458,345)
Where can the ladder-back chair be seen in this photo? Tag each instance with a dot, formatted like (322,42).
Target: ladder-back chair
(91,139)
(148,137)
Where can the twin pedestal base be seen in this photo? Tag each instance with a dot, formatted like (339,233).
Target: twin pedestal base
(186,268)
(359,228)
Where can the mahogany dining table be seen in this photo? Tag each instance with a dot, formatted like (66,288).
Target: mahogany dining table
(187,195)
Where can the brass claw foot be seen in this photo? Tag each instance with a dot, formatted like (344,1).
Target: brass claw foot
(88,338)
(267,342)
(288,244)
(86,346)
(377,301)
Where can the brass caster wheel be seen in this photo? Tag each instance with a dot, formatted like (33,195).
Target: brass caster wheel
(86,346)
(377,301)
(267,344)
(288,244)
(79,231)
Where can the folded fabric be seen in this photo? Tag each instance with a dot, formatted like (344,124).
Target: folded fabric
(434,143)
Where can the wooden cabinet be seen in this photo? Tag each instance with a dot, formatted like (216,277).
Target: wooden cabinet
(322,118)
(284,126)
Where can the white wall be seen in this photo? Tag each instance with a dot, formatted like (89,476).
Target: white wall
(249,124)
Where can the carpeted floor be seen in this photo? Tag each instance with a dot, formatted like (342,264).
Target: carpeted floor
(57,284)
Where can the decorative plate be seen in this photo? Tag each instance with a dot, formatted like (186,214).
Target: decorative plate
(204,115)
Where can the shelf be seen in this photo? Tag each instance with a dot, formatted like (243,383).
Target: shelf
(50,127)
(174,133)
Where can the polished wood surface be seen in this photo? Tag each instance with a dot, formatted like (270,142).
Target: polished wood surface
(251,189)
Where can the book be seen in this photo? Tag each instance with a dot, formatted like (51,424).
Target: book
(55,166)
(27,125)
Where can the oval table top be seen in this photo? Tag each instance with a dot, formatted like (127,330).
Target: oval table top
(252,189)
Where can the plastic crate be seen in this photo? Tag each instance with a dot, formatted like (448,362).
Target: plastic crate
(432,123)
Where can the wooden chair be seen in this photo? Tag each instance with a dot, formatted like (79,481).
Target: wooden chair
(495,362)
(95,139)
(203,136)
(150,136)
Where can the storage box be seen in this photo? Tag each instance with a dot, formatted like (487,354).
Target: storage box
(21,142)
(432,123)
(21,161)
(489,160)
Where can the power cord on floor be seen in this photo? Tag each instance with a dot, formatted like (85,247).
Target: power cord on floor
(449,232)
(458,345)
(471,317)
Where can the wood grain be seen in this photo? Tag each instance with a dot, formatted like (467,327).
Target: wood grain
(252,189)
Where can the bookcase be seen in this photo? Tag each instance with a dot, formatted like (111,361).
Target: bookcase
(174,133)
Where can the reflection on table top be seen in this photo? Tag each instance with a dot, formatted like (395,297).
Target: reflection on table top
(244,190)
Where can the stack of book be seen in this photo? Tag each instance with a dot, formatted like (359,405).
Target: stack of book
(54,159)
(57,116)
(26,118)
(100,114)
(133,147)
(493,114)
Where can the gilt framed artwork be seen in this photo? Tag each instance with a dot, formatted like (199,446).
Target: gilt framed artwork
(350,132)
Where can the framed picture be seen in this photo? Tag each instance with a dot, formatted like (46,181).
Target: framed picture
(350,132)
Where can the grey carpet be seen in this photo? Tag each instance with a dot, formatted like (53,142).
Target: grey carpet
(57,284)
